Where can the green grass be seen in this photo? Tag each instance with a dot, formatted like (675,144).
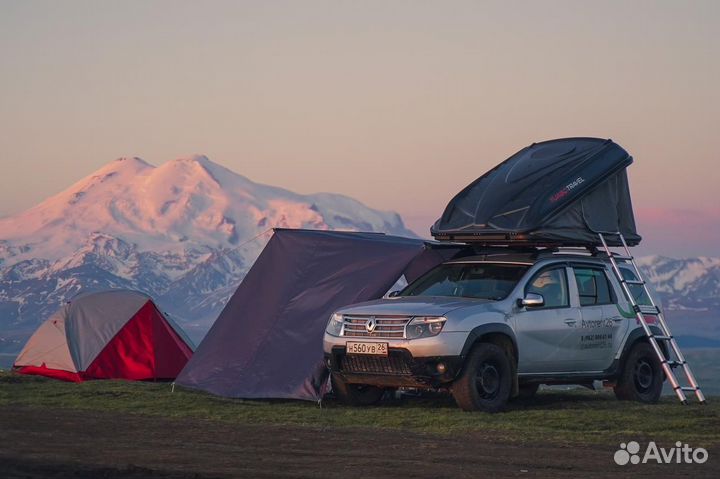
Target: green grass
(557,416)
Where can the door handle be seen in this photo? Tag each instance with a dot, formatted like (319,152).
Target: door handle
(617,318)
(570,322)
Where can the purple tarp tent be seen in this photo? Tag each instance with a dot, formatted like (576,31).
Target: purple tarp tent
(267,342)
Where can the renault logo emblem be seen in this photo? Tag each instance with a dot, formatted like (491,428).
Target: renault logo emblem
(370,325)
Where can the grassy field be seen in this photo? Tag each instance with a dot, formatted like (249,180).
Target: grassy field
(569,417)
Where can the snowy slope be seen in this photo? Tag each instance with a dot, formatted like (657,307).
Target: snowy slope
(685,284)
(183,204)
(186,232)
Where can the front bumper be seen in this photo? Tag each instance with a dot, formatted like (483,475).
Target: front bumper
(422,363)
(449,343)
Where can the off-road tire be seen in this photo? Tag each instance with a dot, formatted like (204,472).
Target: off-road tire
(485,383)
(356,394)
(642,376)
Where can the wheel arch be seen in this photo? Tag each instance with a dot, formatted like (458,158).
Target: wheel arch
(501,335)
(637,336)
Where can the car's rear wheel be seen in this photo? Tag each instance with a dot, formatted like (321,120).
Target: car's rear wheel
(356,394)
(486,381)
(642,376)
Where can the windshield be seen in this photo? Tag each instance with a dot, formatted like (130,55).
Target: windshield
(468,280)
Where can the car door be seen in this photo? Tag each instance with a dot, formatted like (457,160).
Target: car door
(602,324)
(547,334)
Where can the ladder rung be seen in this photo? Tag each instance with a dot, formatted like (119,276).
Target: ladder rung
(640,310)
(661,338)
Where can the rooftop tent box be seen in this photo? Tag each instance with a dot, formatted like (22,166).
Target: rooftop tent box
(554,193)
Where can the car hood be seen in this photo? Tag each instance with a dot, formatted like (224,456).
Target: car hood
(411,306)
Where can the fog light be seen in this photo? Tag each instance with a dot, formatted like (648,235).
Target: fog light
(441,368)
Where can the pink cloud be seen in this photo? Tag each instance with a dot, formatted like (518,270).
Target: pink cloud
(667,217)
(679,232)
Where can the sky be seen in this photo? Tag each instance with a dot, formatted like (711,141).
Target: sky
(399,104)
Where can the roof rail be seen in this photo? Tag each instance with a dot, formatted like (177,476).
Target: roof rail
(534,251)
(578,250)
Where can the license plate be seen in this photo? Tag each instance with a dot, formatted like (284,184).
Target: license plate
(377,349)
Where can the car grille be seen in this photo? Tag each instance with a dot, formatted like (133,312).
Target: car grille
(386,326)
(375,364)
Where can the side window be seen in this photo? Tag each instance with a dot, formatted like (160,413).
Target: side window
(593,286)
(637,291)
(552,285)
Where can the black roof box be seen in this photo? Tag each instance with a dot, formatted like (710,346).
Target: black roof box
(554,193)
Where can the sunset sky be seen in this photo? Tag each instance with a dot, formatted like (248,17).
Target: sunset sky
(397,103)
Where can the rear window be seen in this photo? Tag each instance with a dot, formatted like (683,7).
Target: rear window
(637,290)
(593,286)
(468,280)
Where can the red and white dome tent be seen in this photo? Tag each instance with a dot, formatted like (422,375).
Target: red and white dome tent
(106,335)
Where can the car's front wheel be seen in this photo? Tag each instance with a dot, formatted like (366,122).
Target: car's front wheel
(356,394)
(486,381)
(642,376)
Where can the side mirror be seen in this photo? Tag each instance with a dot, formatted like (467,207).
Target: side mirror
(531,300)
(394,294)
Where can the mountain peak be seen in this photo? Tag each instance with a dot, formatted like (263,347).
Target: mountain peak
(200,164)
(129,164)
(119,170)
(196,158)
(193,161)
(131,160)
(191,169)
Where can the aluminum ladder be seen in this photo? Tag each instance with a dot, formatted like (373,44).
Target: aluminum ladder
(674,351)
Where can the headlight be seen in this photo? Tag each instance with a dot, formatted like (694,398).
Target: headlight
(335,324)
(424,326)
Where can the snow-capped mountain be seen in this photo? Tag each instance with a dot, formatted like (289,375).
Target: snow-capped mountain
(691,284)
(185,232)
(181,205)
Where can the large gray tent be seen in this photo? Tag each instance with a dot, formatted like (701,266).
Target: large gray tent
(267,342)
(556,193)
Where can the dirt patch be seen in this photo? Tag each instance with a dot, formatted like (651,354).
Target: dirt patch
(59,443)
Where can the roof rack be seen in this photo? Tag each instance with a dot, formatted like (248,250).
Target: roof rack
(531,251)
